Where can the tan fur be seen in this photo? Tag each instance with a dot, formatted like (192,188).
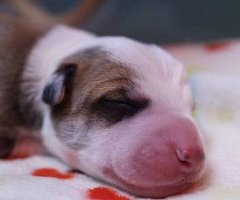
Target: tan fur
(17,118)
(97,77)
(16,39)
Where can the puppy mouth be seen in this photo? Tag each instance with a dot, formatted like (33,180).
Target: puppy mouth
(157,190)
(153,179)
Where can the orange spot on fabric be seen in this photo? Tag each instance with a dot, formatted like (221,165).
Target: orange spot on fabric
(51,172)
(217,46)
(103,193)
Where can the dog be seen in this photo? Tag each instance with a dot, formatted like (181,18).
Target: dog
(114,108)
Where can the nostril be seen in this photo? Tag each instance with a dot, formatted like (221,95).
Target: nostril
(191,158)
(184,156)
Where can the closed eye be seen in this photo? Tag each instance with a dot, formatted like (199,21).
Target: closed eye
(115,110)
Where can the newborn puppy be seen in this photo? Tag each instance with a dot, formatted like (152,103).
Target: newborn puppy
(114,108)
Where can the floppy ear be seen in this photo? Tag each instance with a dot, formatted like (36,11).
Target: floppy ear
(59,84)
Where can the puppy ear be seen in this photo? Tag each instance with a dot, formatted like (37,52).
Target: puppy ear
(59,84)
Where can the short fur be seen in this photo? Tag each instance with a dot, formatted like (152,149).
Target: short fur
(115,108)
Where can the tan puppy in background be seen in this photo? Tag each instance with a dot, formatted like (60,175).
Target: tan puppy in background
(114,108)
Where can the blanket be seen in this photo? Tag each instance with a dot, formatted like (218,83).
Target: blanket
(214,74)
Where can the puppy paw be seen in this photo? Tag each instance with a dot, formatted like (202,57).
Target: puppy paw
(25,147)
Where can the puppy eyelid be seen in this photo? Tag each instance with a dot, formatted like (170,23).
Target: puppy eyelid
(114,98)
(115,110)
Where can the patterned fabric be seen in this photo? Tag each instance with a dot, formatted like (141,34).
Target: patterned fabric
(214,74)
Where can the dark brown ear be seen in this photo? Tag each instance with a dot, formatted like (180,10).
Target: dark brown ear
(58,85)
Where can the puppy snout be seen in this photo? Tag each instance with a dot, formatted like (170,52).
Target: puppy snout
(167,157)
(192,159)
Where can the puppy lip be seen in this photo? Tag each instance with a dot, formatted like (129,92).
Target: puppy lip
(153,191)
(184,179)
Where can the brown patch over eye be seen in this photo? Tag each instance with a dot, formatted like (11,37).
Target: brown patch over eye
(100,90)
(99,96)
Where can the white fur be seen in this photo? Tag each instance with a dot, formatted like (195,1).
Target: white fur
(54,145)
(159,77)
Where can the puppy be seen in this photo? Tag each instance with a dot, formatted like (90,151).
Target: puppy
(116,109)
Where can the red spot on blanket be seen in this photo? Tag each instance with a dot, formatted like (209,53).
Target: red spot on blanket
(217,46)
(103,193)
(51,172)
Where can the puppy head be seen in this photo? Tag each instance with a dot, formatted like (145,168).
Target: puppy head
(121,111)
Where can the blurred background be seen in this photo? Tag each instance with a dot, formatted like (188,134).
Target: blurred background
(161,21)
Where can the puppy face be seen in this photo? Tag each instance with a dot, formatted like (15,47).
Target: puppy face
(121,111)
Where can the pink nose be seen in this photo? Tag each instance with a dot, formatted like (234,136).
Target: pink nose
(191,159)
(164,158)
(169,152)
